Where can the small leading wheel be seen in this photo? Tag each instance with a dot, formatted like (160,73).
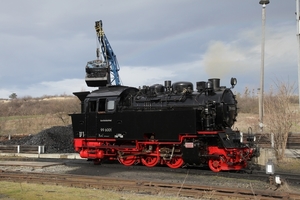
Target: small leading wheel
(128,160)
(150,161)
(215,164)
(175,162)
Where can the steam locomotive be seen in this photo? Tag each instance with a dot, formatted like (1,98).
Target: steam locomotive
(170,124)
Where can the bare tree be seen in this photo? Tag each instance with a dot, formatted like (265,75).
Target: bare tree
(247,102)
(280,115)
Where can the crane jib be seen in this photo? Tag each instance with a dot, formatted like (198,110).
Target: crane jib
(103,71)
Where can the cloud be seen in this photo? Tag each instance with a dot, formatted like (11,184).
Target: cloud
(45,45)
(62,87)
(139,76)
(238,58)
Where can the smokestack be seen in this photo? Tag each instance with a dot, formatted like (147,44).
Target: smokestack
(215,83)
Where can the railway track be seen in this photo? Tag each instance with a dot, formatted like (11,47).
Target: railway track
(292,179)
(143,187)
(293,141)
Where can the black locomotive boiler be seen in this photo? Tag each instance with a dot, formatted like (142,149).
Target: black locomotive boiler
(170,124)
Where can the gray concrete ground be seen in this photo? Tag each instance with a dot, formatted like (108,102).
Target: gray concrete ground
(30,164)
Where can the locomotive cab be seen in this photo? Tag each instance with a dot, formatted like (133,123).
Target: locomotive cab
(95,119)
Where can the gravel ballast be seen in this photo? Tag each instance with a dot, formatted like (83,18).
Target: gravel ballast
(57,139)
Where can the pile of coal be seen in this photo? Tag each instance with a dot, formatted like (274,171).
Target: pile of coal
(57,139)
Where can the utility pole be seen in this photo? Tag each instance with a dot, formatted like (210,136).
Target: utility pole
(298,37)
(261,96)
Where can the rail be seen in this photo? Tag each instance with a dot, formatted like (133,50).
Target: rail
(140,186)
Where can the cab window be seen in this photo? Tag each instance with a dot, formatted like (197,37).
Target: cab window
(101,105)
(110,105)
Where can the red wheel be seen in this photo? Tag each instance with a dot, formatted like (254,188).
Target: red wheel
(175,162)
(215,164)
(150,161)
(128,160)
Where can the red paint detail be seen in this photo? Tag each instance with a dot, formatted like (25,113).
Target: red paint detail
(94,154)
(150,161)
(228,159)
(128,160)
(216,164)
(175,162)
(219,158)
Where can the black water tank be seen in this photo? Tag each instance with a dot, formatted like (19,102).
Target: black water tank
(157,88)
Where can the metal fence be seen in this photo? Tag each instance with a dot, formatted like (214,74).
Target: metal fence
(22,149)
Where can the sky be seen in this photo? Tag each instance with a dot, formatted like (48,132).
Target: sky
(45,45)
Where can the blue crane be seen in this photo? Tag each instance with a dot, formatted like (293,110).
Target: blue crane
(103,72)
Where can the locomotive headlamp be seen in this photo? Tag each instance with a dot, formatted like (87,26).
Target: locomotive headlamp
(262,2)
(233,82)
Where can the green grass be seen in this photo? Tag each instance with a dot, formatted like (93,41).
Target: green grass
(25,191)
(17,117)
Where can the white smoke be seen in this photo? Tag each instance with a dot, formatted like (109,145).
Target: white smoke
(221,59)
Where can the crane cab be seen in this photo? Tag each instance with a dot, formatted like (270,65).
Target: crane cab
(97,73)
